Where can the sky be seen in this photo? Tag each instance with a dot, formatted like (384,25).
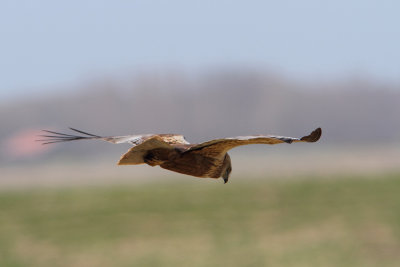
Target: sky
(50,45)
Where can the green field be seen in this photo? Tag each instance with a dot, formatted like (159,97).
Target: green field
(342,221)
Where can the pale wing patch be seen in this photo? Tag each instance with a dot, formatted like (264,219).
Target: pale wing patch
(132,139)
(174,139)
(138,139)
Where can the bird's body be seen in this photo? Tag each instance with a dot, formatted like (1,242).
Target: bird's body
(172,152)
(188,162)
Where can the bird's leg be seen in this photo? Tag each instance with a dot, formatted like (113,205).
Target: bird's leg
(152,159)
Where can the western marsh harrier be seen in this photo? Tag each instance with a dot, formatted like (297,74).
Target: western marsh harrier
(174,153)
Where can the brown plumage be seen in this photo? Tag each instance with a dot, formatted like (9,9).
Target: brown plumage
(174,153)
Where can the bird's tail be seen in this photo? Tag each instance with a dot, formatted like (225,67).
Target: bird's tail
(55,137)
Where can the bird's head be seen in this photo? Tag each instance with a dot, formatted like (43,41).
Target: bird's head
(226,168)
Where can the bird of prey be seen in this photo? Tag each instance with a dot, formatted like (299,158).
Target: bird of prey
(172,152)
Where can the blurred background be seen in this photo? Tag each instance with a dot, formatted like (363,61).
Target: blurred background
(206,70)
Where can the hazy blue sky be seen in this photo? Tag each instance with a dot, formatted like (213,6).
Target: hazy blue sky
(46,44)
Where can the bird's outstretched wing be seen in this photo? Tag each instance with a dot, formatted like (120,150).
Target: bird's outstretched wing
(221,146)
(141,143)
(56,137)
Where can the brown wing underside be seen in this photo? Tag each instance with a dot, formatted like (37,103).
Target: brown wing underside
(221,146)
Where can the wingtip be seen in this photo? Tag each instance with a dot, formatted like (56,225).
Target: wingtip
(314,136)
(82,132)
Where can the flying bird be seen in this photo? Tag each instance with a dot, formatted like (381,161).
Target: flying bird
(172,152)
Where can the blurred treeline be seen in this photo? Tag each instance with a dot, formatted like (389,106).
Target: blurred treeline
(214,104)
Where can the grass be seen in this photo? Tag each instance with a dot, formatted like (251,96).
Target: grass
(349,221)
